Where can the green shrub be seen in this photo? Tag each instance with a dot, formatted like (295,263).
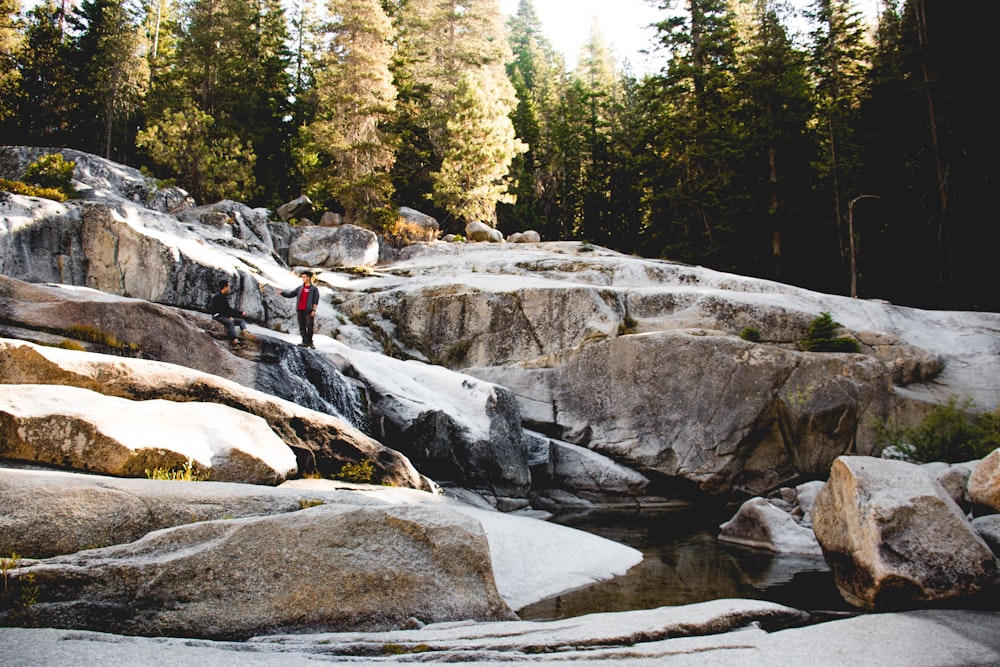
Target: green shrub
(627,326)
(189,473)
(16,591)
(751,334)
(359,473)
(92,334)
(457,352)
(953,433)
(822,337)
(21,188)
(52,171)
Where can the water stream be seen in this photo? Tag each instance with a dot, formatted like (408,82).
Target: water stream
(684,563)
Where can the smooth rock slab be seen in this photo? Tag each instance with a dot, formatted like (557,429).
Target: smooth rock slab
(328,567)
(84,430)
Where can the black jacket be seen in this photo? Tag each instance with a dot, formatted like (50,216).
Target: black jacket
(220,306)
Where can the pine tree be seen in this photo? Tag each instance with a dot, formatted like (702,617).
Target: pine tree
(840,60)
(349,150)
(115,76)
(478,147)
(693,195)
(775,109)
(596,73)
(538,76)
(445,48)
(211,166)
(10,77)
(48,80)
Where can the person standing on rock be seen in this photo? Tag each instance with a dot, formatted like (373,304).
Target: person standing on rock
(226,315)
(306,301)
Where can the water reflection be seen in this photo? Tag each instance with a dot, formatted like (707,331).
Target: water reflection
(684,563)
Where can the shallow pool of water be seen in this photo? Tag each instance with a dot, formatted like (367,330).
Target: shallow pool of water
(685,563)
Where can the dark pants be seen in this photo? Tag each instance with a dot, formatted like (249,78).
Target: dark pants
(231,324)
(306,320)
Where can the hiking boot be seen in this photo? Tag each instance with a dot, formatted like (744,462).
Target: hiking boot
(248,335)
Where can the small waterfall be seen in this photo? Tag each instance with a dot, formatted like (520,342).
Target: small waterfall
(310,380)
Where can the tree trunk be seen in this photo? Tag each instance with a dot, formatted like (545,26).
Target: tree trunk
(947,267)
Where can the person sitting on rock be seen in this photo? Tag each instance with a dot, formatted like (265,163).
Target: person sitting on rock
(228,316)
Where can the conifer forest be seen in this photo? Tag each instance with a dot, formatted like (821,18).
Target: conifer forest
(815,146)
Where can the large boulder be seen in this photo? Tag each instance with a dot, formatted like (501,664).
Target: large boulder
(126,249)
(295,208)
(761,525)
(591,475)
(426,226)
(332,567)
(328,247)
(480,231)
(984,485)
(529,236)
(81,429)
(895,539)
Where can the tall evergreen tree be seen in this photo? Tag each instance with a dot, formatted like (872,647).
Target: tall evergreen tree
(840,58)
(775,109)
(10,78)
(478,147)
(163,34)
(350,152)
(115,76)
(891,117)
(694,198)
(538,76)
(954,149)
(48,80)
(596,72)
(446,49)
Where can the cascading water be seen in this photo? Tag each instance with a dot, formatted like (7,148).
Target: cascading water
(312,381)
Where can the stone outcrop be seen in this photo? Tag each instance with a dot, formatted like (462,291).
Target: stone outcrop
(79,429)
(243,557)
(720,632)
(473,440)
(50,513)
(602,355)
(321,443)
(487,457)
(895,539)
(329,566)
(761,417)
